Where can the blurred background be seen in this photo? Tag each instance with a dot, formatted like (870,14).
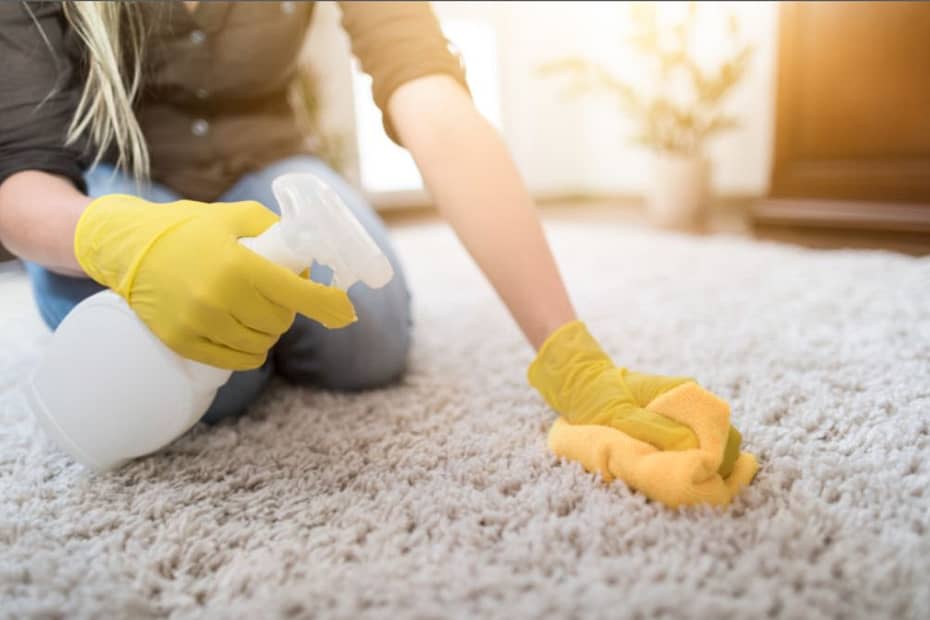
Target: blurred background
(805,122)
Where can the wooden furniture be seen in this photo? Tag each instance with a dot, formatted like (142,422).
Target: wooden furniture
(852,127)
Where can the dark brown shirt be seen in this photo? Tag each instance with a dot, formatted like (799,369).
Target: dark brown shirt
(214,105)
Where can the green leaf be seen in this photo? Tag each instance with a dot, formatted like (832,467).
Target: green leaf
(719,124)
(644,15)
(569,64)
(645,42)
(645,139)
(733,26)
(691,17)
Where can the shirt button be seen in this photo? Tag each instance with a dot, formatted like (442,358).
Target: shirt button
(201,93)
(198,37)
(200,127)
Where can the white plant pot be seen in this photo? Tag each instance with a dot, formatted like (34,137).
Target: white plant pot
(678,191)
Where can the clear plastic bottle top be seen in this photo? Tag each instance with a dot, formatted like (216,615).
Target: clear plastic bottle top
(317,225)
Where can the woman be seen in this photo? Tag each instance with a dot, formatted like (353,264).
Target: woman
(138,142)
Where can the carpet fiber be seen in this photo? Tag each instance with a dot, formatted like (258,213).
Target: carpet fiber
(437,498)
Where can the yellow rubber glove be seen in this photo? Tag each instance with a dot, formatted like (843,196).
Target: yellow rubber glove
(579,380)
(673,477)
(183,271)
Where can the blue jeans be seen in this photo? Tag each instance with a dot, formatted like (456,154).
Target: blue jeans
(369,353)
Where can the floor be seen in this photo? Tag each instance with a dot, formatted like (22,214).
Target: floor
(15,296)
(437,498)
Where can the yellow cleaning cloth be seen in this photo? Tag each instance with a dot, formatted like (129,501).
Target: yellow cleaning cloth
(675,478)
(665,436)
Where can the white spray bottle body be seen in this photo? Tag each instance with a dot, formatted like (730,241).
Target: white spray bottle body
(108,390)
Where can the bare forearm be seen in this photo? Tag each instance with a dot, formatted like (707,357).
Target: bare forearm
(478,189)
(38,215)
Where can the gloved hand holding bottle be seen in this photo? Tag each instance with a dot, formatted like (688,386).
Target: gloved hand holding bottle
(181,268)
(579,380)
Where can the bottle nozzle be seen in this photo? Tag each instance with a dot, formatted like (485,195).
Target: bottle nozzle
(317,225)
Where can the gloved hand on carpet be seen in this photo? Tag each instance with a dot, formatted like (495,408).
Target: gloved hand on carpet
(664,436)
(183,271)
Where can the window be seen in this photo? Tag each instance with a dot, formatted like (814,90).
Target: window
(384,167)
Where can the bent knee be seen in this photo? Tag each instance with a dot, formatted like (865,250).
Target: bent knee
(365,369)
(239,393)
(364,356)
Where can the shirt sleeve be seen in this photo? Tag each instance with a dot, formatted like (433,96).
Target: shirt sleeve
(41,89)
(397,42)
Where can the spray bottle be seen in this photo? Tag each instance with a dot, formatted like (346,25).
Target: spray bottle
(108,390)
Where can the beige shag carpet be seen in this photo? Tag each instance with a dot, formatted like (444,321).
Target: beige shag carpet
(437,498)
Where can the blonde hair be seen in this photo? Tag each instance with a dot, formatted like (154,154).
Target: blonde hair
(110,31)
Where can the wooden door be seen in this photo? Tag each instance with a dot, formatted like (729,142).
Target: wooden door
(852,129)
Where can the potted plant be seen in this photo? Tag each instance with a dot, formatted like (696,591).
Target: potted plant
(677,113)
